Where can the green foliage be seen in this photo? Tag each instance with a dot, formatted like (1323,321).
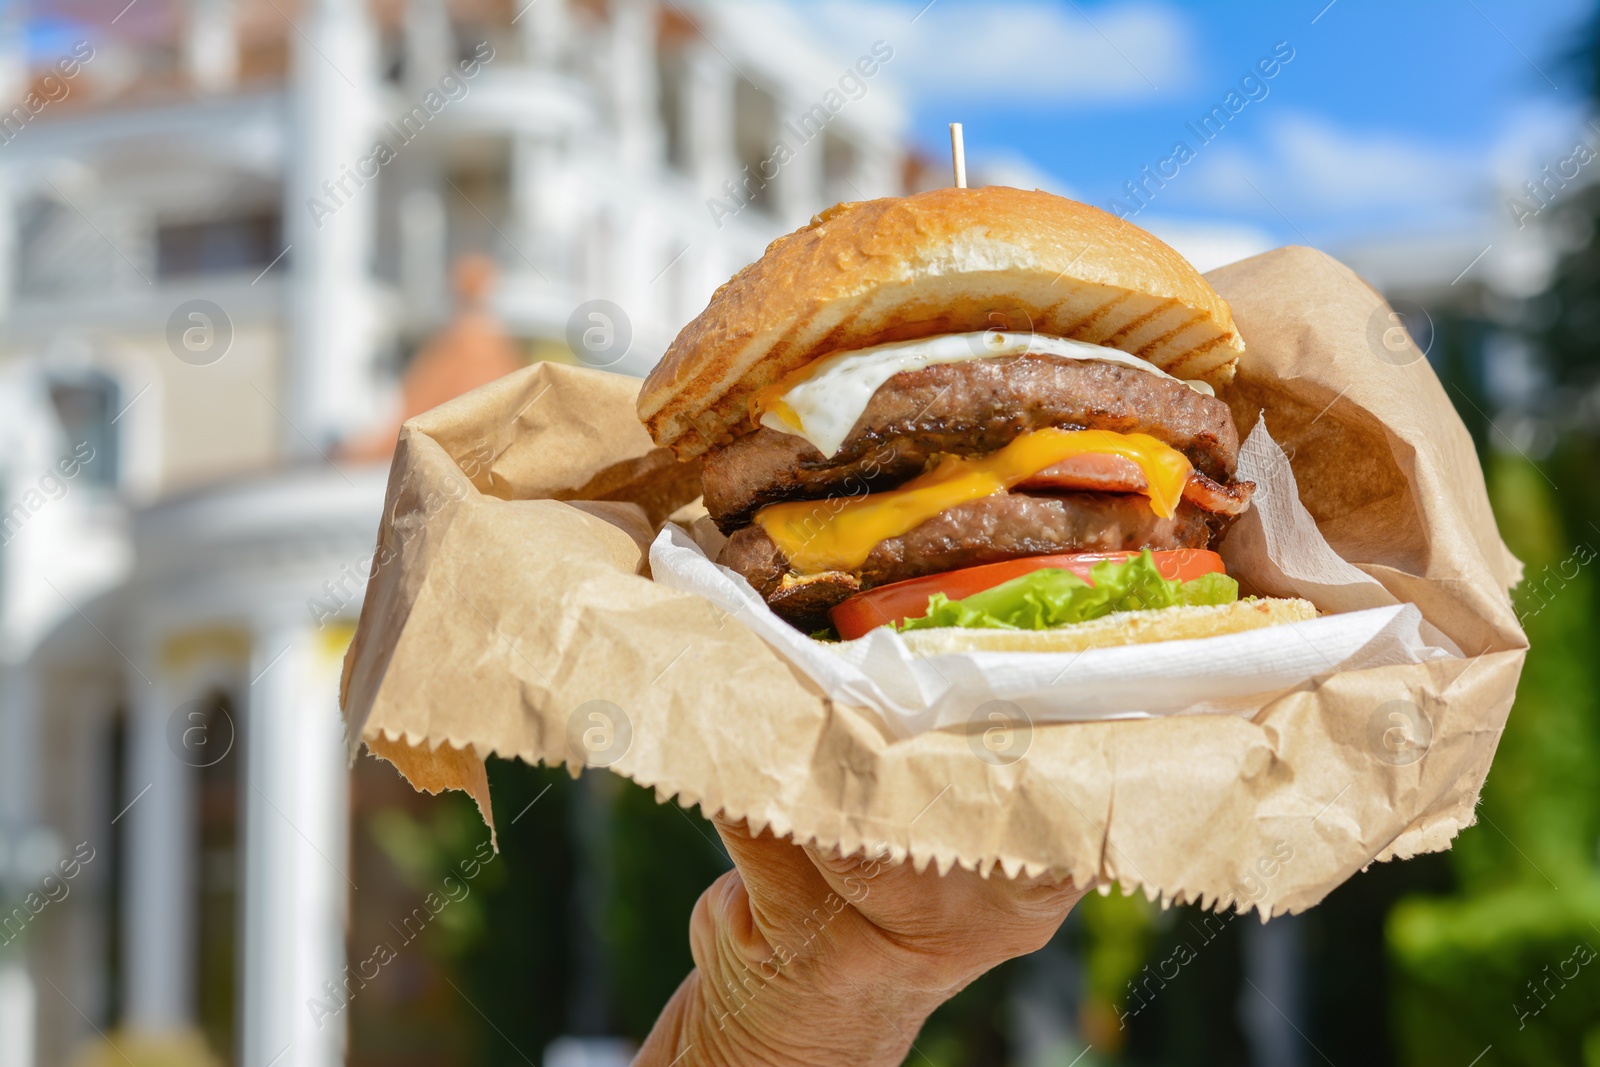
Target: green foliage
(518,971)
(1506,969)
(1051,597)
(431,855)
(1118,933)
(661,858)
(1475,969)
(592,877)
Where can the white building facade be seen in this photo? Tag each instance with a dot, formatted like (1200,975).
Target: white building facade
(221,233)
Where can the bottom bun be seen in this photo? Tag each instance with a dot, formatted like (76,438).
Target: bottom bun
(1123,628)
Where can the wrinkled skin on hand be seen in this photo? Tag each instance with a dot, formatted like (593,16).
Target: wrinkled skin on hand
(805,958)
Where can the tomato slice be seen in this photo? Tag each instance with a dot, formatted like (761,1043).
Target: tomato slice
(899,601)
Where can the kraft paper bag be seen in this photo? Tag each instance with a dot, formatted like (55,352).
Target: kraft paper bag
(512,611)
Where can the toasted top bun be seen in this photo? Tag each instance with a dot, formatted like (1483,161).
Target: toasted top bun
(1123,628)
(945,261)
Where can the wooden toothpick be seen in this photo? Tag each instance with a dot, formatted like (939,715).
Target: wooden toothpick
(958,154)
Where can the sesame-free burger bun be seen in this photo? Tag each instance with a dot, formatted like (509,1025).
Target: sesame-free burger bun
(945,261)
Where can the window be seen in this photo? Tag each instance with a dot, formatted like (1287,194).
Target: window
(218,246)
(392,58)
(755,132)
(671,70)
(478,191)
(87,406)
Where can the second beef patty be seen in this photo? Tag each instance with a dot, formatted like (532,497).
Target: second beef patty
(999,527)
(966,408)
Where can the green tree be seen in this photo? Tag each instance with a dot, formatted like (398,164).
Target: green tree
(1497,963)
(1505,966)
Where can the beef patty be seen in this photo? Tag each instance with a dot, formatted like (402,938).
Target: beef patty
(969,408)
(995,528)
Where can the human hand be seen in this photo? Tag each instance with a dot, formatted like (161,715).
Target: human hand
(804,959)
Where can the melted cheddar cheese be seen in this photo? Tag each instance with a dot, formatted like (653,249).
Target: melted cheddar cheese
(839,533)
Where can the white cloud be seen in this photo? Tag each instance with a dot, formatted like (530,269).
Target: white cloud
(1019,50)
(1017,171)
(1209,245)
(1342,169)
(1404,211)
(1309,165)
(1365,182)
(1536,134)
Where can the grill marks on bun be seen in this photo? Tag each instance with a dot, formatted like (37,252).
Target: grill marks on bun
(945,261)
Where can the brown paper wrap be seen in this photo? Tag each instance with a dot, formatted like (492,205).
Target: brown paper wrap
(511,588)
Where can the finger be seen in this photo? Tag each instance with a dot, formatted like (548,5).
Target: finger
(723,913)
(781,882)
(951,911)
(1040,891)
(859,874)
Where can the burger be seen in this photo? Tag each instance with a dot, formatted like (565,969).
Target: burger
(984,417)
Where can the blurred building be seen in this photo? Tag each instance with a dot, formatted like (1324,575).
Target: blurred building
(225,225)
(1472,299)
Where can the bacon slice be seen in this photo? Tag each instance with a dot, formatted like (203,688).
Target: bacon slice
(1101,472)
(1219,499)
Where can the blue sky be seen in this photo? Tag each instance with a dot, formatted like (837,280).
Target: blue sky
(1405,115)
(1395,117)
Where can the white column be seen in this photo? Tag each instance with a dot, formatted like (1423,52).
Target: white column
(159,815)
(709,89)
(599,247)
(330,225)
(19,756)
(13,55)
(211,46)
(632,69)
(424,234)
(637,253)
(18,1007)
(424,252)
(543,211)
(8,238)
(545,26)
(430,45)
(296,868)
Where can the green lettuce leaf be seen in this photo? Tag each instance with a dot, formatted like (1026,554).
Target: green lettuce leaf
(1052,597)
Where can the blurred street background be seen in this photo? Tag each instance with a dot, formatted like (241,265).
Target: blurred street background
(241,240)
